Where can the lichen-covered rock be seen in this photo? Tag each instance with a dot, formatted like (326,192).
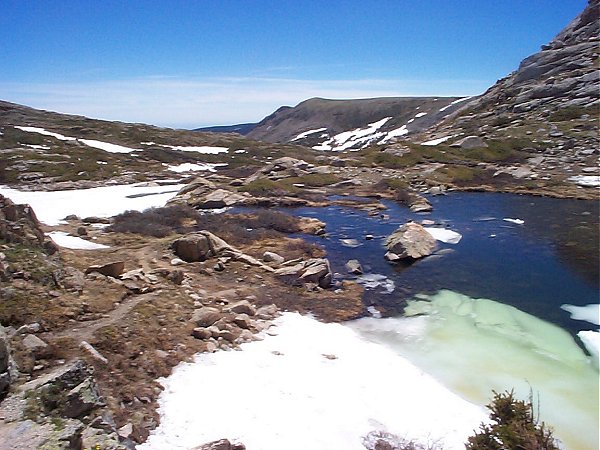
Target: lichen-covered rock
(410,241)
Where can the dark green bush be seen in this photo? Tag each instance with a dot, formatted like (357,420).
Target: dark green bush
(514,427)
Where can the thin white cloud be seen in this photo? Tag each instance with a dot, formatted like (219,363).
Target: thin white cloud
(189,103)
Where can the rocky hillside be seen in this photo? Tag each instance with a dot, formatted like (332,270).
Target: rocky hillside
(57,151)
(550,103)
(351,124)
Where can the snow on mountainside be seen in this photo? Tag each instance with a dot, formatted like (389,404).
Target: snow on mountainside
(353,124)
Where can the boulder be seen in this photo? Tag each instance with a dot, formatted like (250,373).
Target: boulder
(19,224)
(353,266)
(33,343)
(199,246)
(67,392)
(470,142)
(69,278)
(241,307)
(315,270)
(112,269)
(82,399)
(273,257)
(207,316)
(410,241)
(201,333)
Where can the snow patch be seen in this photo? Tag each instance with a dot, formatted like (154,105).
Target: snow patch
(107,147)
(438,140)
(395,133)
(46,133)
(454,103)
(358,137)
(308,133)
(312,386)
(67,241)
(586,180)
(589,313)
(51,207)
(591,340)
(444,235)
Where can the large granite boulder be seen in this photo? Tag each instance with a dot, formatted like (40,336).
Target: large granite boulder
(410,241)
(199,246)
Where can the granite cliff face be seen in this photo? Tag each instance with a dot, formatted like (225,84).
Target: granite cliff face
(557,84)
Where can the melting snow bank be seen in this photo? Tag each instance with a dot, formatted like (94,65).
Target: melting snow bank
(67,241)
(312,386)
(476,345)
(52,206)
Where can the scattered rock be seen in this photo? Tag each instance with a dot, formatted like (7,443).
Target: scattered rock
(316,270)
(470,142)
(205,317)
(201,333)
(34,344)
(221,444)
(113,269)
(69,278)
(353,266)
(241,307)
(93,352)
(273,257)
(410,241)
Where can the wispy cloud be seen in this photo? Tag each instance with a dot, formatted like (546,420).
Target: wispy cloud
(192,102)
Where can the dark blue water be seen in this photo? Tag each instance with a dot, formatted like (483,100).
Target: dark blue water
(550,260)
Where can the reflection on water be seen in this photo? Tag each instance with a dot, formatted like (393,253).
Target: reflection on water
(550,260)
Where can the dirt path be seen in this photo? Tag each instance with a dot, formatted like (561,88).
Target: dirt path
(83,331)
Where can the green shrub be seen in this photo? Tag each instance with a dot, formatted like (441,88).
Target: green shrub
(514,426)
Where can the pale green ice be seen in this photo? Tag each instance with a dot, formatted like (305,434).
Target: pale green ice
(475,346)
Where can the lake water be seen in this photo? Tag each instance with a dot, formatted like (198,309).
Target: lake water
(550,260)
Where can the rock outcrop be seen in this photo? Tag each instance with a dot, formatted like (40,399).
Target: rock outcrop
(410,241)
(19,224)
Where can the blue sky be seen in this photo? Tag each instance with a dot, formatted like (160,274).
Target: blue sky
(210,62)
